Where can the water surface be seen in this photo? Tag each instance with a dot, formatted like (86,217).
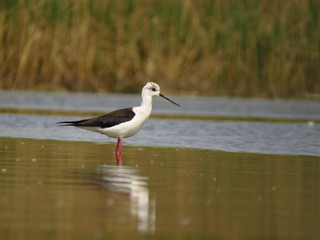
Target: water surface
(73,190)
(191,106)
(181,178)
(231,136)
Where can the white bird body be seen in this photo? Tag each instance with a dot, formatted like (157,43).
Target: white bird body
(125,129)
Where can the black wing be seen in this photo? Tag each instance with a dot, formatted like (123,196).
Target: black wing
(108,120)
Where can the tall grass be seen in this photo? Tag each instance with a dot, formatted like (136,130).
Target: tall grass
(221,47)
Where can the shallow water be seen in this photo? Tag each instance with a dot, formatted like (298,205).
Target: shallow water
(284,126)
(180,178)
(194,106)
(230,136)
(74,190)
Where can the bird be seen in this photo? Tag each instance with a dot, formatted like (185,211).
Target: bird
(122,123)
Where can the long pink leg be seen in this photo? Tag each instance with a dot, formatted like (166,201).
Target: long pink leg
(120,146)
(118,152)
(117,147)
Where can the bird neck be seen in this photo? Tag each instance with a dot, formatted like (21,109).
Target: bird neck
(146,103)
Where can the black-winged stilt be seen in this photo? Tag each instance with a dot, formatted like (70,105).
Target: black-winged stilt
(124,122)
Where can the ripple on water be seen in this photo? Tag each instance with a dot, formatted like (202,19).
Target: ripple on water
(230,136)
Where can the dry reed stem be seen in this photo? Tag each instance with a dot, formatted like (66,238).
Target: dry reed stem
(236,48)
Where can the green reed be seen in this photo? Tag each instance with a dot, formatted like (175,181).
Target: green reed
(234,48)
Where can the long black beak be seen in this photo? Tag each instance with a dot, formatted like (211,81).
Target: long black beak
(163,96)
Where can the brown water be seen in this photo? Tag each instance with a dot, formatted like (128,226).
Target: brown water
(73,190)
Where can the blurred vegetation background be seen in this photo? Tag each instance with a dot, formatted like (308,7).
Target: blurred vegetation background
(243,48)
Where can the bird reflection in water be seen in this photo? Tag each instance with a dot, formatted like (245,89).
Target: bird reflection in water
(126,180)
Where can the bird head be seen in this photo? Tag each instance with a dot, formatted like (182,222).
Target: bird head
(153,89)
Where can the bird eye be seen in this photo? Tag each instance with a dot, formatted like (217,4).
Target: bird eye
(153,89)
